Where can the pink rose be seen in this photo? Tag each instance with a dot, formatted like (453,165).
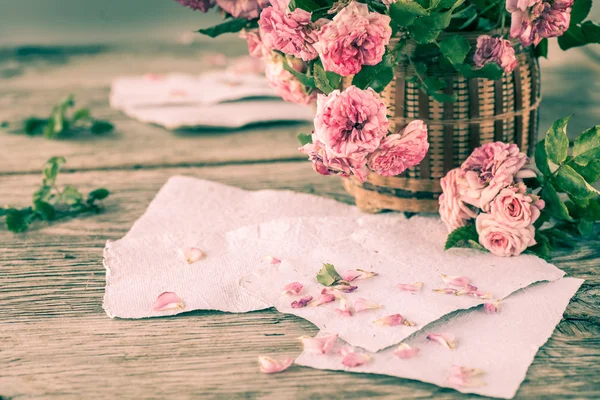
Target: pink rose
(453,211)
(248,9)
(534,20)
(400,151)
(326,164)
(202,5)
(497,50)
(290,32)
(503,240)
(256,47)
(355,37)
(514,207)
(351,123)
(285,84)
(489,169)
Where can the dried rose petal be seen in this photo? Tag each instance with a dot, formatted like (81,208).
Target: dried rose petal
(459,281)
(272,260)
(352,359)
(168,301)
(344,287)
(319,345)
(410,287)
(292,288)
(362,304)
(303,302)
(344,308)
(405,351)
(446,290)
(390,320)
(468,289)
(336,293)
(323,299)
(269,365)
(480,295)
(492,308)
(358,274)
(465,377)
(446,340)
(191,254)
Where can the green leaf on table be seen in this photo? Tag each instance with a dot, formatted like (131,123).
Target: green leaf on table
(304,138)
(455,48)
(587,146)
(42,194)
(51,168)
(18,220)
(541,159)
(580,11)
(70,195)
(569,181)
(98,194)
(230,26)
(302,78)
(592,211)
(585,228)
(557,142)
(45,210)
(321,79)
(404,12)
(99,127)
(376,77)
(327,276)
(554,205)
(81,114)
(490,71)
(559,238)
(542,247)
(34,126)
(589,172)
(465,236)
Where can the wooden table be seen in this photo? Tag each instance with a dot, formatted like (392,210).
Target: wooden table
(57,342)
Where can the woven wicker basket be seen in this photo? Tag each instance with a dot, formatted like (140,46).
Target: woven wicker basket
(485,111)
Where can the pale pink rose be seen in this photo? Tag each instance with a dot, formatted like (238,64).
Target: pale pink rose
(248,9)
(501,239)
(355,37)
(400,151)
(351,123)
(489,169)
(534,20)
(327,164)
(453,211)
(514,207)
(495,49)
(287,86)
(290,32)
(202,5)
(256,47)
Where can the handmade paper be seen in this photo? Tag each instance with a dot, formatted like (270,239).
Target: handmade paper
(399,250)
(502,345)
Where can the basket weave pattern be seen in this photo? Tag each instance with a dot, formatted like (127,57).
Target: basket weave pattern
(485,111)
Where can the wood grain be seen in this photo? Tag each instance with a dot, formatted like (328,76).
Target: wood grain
(57,343)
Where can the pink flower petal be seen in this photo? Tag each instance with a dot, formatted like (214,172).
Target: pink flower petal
(168,301)
(468,289)
(355,275)
(446,340)
(390,320)
(336,293)
(191,254)
(292,288)
(344,309)
(446,290)
(269,365)
(492,308)
(465,377)
(405,351)
(303,302)
(459,281)
(410,287)
(362,304)
(344,287)
(272,260)
(481,295)
(352,359)
(319,345)
(323,299)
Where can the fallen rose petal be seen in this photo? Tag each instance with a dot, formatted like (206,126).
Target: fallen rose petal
(344,287)
(362,304)
(336,293)
(352,359)
(319,345)
(492,308)
(269,365)
(272,260)
(191,254)
(168,301)
(344,308)
(468,289)
(358,274)
(465,377)
(292,288)
(480,295)
(303,302)
(390,320)
(410,287)
(446,290)
(405,351)
(445,340)
(459,281)
(323,299)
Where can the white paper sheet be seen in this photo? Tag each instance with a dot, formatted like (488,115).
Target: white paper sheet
(502,345)
(189,212)
(400,250)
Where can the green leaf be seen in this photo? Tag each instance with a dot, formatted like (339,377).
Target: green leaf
(580,10)
(465,236)
(554,205)
(44,210)
(303,138)
(230,26)
(585,228)
(99,127)
(592,211)
(18,220)
(541,50)
(34,126)
(559,238)
(321,79)
(490,71)
(334,79)
(51,168)
(427,29)
(587,146)
(404,12)
(70,195)
(48,131)
(580,35)
(455,48)
(541,159)
(302,78)
(81,114)
(327,276)
(42,194)
(571,182)
(557,142)
(308,5)
(542,246)
(376,77)
(98,194)
(590,172)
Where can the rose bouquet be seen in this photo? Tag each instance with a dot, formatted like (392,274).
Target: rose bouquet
(493,201)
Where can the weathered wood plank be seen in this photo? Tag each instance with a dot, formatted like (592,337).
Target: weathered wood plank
(56,342)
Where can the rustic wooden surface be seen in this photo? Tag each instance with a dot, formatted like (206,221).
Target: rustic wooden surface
(55,340)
